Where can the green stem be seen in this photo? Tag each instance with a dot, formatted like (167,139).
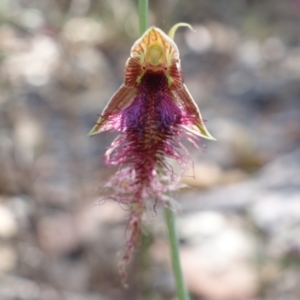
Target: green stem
(169,214)
(143,15)
(174,249)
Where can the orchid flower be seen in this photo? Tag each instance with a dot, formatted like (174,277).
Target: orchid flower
(152,111)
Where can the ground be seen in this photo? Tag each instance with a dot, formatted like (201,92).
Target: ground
(238,223)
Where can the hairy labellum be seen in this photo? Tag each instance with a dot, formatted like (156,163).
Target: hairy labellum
(152,111)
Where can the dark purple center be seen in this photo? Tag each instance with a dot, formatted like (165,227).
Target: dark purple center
(148,124)
(153,109)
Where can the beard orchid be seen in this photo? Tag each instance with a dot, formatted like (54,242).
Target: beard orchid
(152,111)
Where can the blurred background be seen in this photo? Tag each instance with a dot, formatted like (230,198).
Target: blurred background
(239,225)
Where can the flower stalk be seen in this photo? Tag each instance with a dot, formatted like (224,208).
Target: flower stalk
(143,15)
(170,220)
